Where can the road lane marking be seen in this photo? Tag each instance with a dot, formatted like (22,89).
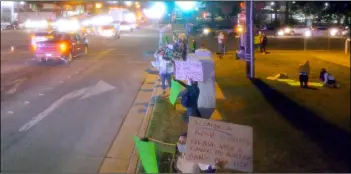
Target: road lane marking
(35,120)
(100,87)
(86,92)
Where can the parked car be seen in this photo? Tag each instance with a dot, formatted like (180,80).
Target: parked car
(61,47)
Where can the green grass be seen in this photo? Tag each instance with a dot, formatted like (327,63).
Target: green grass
(166,125)
(284,142)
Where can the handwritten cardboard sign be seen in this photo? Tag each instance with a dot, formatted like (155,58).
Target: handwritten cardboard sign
(209,140)
(189,70)
(172,54)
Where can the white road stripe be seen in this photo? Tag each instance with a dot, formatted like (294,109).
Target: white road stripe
(86,92)
(56,104)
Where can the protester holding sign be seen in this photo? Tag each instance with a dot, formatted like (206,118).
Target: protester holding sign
(189,98)
(166,69)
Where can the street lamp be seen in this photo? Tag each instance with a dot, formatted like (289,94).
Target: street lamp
(186,5)
(156,12)
(326,4)
(272,3)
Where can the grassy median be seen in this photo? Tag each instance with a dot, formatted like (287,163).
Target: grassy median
(166,125)
(295,130)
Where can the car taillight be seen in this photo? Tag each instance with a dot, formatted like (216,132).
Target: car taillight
(34,46)
(63,47)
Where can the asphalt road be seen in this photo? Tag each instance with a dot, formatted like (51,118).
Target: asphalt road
(63,118)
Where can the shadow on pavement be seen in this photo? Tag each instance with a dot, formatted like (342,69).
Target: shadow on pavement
(329,137)
(151,71)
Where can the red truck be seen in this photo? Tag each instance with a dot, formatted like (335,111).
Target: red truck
(60,47)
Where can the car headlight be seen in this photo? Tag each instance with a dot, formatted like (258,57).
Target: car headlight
(308,33)
(333,31)
(206,31)
(287,30)
(280,33)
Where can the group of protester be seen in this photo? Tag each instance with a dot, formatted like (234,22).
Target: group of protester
(189,95)
(325,77)
(188,99)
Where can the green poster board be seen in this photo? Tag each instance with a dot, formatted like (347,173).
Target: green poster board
(176,88)
(147,155)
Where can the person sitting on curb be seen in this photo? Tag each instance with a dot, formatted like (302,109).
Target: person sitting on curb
(189,97)
(304,71)
(240,54)
(327,78)
(189,167)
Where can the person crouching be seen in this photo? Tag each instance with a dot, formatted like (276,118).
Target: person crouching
(327,78)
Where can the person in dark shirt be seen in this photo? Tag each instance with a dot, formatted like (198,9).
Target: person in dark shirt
(263,43)
(191,95)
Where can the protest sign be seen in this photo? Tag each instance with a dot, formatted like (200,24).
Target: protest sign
(210,140)
(147,155)
(175,90)
(172,54)
(189,70)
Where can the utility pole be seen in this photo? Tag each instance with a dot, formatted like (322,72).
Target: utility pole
(249,46)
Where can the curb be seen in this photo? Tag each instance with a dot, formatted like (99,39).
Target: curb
(122,156)
(132,168)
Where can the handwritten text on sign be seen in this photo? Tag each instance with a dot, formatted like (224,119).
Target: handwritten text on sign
(189,69)
(172,54)
(209,140)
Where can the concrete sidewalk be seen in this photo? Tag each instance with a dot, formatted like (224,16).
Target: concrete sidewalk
(122,156)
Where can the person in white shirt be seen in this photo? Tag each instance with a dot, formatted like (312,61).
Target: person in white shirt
(327,79)
(221,44)
(166,69)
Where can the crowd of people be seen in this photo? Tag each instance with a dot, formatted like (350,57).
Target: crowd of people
(188,99)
